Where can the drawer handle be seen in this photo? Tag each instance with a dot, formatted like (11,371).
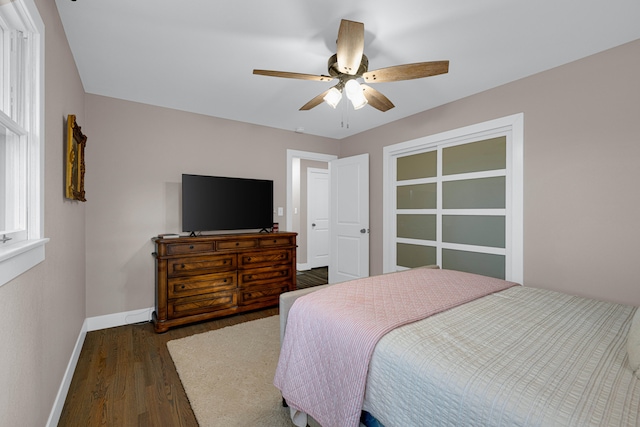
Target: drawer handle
(190,246)
(249,259)
(275,241)
(182,266)
(182,287)
(283,273)
(225,280)
(237,243)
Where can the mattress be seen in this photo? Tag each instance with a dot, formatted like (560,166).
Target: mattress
(520,357)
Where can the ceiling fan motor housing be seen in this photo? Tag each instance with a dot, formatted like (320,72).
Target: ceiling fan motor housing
(334,70)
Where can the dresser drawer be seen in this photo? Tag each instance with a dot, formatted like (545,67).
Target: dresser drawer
(193,266)
(204,303)
(264,258)
(189,248)
(256,276)
(264,295)
(276,241)
(237,244)
(201,284)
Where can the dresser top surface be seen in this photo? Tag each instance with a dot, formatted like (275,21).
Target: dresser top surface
(219,237)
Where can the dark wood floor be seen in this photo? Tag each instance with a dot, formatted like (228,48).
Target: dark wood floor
(313,277)
(126,377)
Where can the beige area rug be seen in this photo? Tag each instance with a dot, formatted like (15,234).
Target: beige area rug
(228,374)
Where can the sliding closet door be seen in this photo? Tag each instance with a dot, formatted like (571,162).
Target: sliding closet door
(473,208)
(416,215)
(451,203)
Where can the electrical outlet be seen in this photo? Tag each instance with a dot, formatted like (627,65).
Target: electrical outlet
(280,211)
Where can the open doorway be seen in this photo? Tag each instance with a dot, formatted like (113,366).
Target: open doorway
(298,162)
(348,203)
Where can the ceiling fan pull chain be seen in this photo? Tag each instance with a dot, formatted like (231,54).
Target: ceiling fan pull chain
(345,114)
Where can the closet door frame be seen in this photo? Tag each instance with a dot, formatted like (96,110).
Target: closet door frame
(512,127)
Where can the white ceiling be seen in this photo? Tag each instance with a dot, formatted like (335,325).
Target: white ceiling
(198,55)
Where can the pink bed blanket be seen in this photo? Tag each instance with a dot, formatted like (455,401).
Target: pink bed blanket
(331,334)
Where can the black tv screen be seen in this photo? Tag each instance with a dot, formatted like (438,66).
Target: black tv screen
(212,203)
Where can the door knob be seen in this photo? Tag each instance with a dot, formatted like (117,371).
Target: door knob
(364,230)
(313,225)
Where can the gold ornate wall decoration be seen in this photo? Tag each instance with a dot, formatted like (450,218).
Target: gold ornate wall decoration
(76,142)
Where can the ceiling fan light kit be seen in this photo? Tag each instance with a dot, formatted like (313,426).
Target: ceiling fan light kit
(354,91)
(333,97)
(349,63)
(355,94)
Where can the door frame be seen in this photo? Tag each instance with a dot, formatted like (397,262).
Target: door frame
(303,155)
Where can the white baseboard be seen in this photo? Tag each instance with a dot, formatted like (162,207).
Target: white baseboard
(58,404)
(303,267)
(91,324)
(119,319)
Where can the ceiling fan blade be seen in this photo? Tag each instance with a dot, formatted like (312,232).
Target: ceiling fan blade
(406,72)
(350,46)
(289,75)
(376,99)
(315,101)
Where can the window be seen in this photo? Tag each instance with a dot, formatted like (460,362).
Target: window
(21,138)
(455,199)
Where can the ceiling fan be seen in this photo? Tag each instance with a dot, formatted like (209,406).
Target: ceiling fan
(349,63)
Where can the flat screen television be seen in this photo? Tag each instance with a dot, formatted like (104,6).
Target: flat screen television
(211,203)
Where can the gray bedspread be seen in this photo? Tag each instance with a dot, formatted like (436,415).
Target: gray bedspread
(520,357)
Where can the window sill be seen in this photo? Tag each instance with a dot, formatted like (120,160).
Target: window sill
(20,257)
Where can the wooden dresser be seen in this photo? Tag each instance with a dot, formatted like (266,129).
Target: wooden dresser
(200,278)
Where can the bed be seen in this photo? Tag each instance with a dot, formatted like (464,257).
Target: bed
(510,356)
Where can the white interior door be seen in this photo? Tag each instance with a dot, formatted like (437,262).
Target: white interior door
(317,217)
(349,218)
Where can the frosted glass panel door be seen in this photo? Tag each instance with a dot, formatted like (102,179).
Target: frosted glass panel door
(453,203)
